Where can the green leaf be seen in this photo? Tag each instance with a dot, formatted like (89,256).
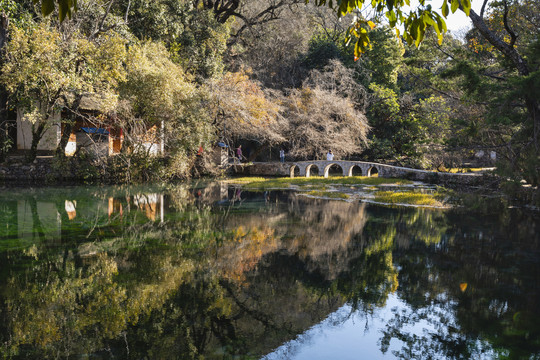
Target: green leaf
(47,7)
(427,19)
(421,31)
(436,27)
(455,5)
(414,29)
(342,10)
(441,23)
(63,9)
(466,6)
(365,40)
(357,51)
(445,8)
(391,16)
(408,38)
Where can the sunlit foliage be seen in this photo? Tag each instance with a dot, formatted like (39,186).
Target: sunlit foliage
(241,109)
(158,94)
(45,73)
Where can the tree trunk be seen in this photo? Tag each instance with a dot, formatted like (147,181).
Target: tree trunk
(37,134)
(68,125)
(64,139)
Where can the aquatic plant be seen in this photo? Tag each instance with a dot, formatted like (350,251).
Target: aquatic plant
(409,197)
(328,194)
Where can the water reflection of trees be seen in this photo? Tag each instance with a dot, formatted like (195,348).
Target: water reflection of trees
(319,232)
(113,277)
(477,289)
(194,282)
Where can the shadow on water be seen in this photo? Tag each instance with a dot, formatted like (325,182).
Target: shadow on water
(214,271)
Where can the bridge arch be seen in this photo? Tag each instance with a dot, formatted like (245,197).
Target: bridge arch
(373,171)
(355,170)
(327,169)
(312,170)
(294,171)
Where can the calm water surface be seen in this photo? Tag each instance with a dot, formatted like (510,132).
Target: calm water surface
(210,271)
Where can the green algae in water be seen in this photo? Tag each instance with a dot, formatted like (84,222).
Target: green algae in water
(407,197)
(328,194)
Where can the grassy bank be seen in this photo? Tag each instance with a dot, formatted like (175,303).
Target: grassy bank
(280,183)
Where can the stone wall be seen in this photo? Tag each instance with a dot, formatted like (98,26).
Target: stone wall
(39,170)
(262,169)
(46,170)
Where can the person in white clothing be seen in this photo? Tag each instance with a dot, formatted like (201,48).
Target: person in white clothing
(329,155)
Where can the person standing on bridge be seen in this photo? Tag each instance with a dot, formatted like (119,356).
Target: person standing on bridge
(329,155)
(282,155)
(239,153)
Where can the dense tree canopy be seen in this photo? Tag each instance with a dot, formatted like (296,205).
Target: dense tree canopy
(45,73)
(434,105)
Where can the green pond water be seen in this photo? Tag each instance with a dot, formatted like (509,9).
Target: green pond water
(210,271)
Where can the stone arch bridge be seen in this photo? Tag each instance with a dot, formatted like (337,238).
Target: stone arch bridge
(355,168)
(349,168)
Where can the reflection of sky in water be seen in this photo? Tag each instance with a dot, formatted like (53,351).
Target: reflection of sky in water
(344,335)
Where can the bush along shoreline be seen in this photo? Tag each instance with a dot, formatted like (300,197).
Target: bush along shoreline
(123,169)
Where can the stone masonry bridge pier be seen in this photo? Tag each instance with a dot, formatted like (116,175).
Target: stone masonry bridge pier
(356,168)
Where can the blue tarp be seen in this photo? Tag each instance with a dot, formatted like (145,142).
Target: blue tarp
(222,144)
(91,130)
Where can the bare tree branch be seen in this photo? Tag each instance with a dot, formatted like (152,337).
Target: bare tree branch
(508,50)
(483,9)
(513,36)
(127,12)
(99,27)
